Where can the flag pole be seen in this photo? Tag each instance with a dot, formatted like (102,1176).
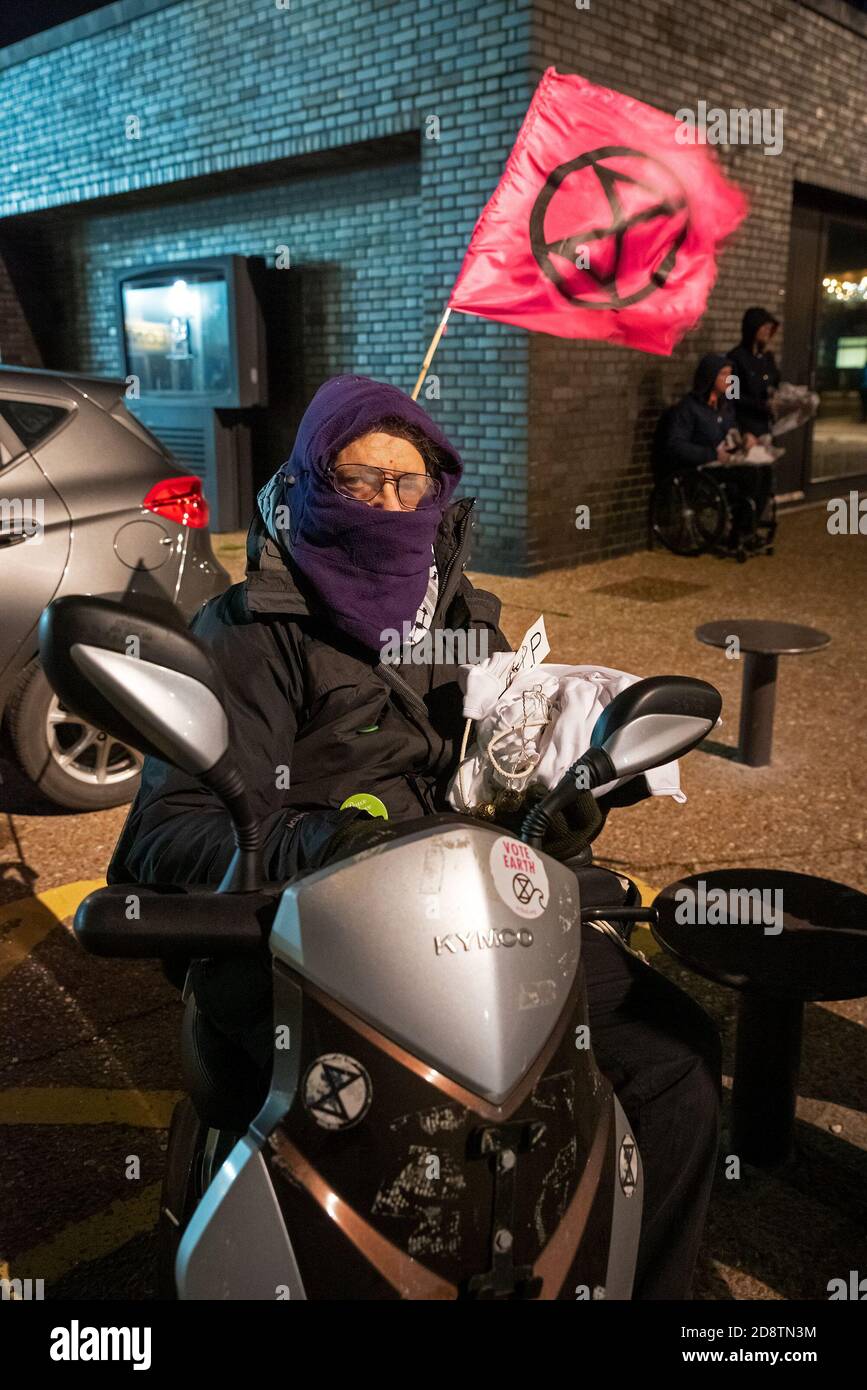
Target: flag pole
(430,352)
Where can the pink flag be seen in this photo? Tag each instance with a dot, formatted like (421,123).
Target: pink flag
(604,224)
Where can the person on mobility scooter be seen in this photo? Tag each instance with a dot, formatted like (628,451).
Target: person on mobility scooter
(355,536)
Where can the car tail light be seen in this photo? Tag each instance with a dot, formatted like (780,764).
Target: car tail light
(180,500)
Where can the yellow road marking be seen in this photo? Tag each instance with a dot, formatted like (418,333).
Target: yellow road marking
(77,1105)
(23,924)
(91,1239)
(647,891)
(29,920)
(642,937)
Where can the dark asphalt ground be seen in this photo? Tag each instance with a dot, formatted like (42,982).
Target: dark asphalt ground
(90,1068)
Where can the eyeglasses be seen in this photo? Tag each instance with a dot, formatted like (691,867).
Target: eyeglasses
(362,483)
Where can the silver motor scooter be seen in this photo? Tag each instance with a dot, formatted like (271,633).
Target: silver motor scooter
(434,1125)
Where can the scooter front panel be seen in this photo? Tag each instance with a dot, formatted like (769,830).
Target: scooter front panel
(458,943)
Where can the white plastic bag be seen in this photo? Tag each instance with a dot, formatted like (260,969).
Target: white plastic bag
(792,406)
(763,451)
(533,729)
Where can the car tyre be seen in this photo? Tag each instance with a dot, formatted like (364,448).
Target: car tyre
(28,717)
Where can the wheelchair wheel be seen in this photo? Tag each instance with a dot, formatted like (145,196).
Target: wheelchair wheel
(689,513)
(768,524)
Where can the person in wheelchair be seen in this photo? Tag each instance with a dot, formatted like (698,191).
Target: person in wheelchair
(695,436)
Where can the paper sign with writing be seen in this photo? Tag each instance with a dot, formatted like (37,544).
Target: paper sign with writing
(533,649)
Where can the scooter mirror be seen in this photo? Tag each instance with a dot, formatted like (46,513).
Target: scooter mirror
(654,721)
(146,683)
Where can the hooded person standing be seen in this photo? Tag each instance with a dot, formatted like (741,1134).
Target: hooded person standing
(757,373)
(357,538)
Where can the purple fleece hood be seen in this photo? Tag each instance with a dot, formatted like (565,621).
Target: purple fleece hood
(367,568)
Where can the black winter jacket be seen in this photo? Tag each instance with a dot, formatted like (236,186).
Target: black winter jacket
(303,699)
(694,427)
(757,374)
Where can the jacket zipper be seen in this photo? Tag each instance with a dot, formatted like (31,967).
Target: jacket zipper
(458,549)
(409,697)
(424,795)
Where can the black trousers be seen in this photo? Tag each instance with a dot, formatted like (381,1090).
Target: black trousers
(661,1053)
(742,482)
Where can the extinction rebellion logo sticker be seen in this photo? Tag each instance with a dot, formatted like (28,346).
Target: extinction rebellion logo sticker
(519,877)
(628,1165)
(337,1091)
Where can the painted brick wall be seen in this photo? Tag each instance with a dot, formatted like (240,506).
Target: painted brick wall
(217,86)
(545,424)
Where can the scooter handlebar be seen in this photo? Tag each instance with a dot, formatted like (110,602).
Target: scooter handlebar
(140,923)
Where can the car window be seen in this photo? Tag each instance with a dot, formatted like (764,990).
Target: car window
(31,420)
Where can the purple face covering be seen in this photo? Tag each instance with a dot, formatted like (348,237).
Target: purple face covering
(367,568)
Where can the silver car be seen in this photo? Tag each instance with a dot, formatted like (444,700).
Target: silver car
(90,503)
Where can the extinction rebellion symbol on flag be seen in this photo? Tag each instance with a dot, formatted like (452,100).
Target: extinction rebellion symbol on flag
(612,265)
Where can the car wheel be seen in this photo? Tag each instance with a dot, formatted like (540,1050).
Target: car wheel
(71,762)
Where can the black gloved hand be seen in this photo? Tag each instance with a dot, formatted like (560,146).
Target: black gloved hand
(356,830)
(629,794)
(571,830)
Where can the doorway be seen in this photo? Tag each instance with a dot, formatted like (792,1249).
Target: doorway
(826,343)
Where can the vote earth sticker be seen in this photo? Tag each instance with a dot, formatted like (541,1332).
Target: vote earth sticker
(519,876)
